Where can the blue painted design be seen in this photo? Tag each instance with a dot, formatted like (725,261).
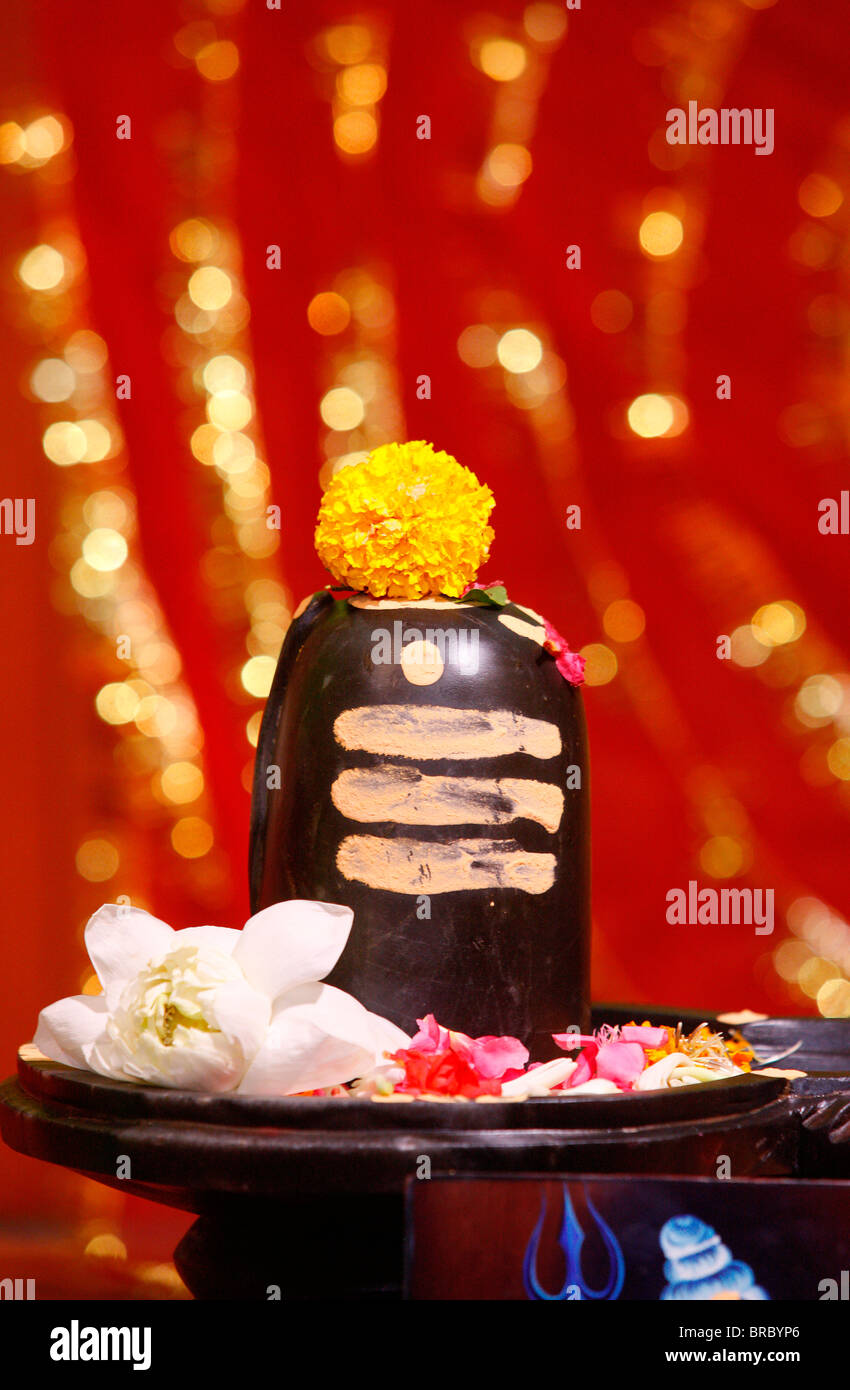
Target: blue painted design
(700,1266)
(571,1239)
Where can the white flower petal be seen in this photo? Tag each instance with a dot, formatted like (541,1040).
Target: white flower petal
(222,939)
(121,941)
(68,1030)
(597,1086)
(655,1077)
(108,1060)
(208,1065)
(319,1036)
(291,944)
(243,1015)
(388,1036)
(540,1081)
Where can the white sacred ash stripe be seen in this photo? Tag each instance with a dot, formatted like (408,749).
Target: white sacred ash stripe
(437,731)
(408,797)
(422,866)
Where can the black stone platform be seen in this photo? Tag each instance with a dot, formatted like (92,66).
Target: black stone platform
(303,1196)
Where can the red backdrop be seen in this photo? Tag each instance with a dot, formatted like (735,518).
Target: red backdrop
(702,768)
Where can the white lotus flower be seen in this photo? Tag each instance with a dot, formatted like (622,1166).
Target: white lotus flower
(214,1009)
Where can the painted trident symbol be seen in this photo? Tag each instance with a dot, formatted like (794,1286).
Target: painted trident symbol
(571,1239)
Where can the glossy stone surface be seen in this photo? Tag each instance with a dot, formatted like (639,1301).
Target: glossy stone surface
(482,915)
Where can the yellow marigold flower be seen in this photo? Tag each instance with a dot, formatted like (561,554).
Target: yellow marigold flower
(405,522)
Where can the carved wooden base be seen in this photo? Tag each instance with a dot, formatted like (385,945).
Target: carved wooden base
(303,1198)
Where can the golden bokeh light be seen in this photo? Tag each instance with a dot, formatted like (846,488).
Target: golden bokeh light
(774,624)
(42,268)
(252,728)
(347,43)
(545,23)
(812,245)
(819,195)
(519,350)
(257,539)
(192,37)
(217,61)
(814,973)
(104,549)
(833,999)
(97,860)
(478,345)
(181,782)
(806,916)
(117,702)
(43,139)
(11,142)
(234,453)
(257,675)
(819,698)
(502,59)
(661,234)
(202,441)
(89,583)
(828,315)
(32,146)
(746,648)
(650,416)
(611,311)
(106,1246)
(210,287)
(328,313)
(722,856)
(64,443)
(624,620)
(192,837)
(156,716)
(229,410)
(342,409)
(86,352)
(362,84)
(159,662)
(52,380)
(355,132)
(194,240)
(838,759)
(788,958)
(224,373)
(508,165)
(98,440)
(601,663)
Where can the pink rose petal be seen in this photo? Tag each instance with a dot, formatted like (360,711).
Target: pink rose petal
(571,1042)
(492,1057)
(647,1037)
(431,1036)
(570,664)
(620,1062)
(585,1066)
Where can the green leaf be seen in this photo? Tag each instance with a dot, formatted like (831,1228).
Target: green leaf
(496,594)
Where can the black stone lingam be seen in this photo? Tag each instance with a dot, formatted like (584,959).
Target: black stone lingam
(425,763)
